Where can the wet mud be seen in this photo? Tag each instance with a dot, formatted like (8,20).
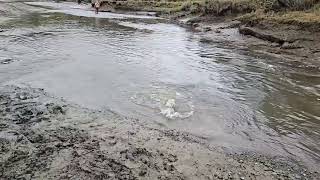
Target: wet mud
(42,137)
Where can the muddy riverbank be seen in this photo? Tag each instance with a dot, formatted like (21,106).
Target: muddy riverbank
(124,96)
(43,137)
(279,31)
(298,48)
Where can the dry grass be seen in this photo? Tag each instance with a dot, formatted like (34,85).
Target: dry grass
(309,19)
(216,7)
(298,16)
(252,11)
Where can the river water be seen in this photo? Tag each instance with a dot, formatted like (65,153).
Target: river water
(144,67)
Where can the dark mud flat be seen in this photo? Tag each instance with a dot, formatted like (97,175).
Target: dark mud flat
(42,137)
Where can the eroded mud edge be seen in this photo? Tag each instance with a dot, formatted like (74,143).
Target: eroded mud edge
(293,47)
(42,137)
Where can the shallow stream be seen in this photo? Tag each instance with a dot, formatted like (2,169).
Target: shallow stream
(144,67)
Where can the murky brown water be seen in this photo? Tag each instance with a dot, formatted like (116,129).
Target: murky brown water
(147,68)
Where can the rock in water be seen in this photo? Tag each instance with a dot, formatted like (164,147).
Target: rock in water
(6,61)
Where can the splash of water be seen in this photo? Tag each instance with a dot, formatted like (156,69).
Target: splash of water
(168,110)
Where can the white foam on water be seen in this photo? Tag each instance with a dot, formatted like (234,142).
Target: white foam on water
(168,102)
(168,110)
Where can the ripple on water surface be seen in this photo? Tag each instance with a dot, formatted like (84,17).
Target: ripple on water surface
(213,88)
